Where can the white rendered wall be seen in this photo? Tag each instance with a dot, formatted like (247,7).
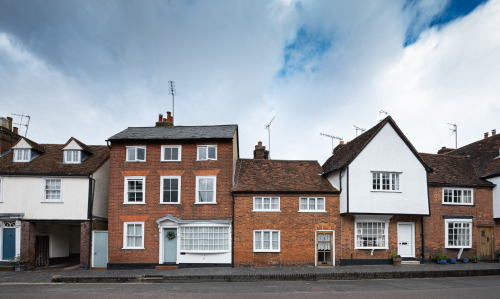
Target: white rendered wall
(334,179)
(58,240)
(25,195)
(387,152)
(72,146)
(496,196)
(101,177)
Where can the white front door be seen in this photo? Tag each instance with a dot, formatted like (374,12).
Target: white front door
(406,237)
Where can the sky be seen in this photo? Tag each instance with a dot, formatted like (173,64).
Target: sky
(90,69)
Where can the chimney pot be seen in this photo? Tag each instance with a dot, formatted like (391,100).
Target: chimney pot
(493,132)
(260,152)
(16,131)
(170,119)
(486,135)
(341,142)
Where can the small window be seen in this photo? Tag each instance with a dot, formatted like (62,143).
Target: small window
(207,152)
(136,153)
(458,233)
(456,196)
(170,190)
(204,239)
(205,189)
(133,235)
(52,190)
(72,156)
(266,203)
(266,241)
(134,190)
(371,235)
(22,155)
(385,181)
(171,152)
(312,204)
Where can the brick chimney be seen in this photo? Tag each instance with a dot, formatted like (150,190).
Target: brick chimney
(165,122)
(445,150)
(10,122)
(486,135)
(16,131)
(260,152)
(341,144)
(493,132)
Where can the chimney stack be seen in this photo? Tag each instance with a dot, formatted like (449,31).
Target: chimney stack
(260,152)
(493,132)
(165,122)
(160,118)
(16,131)
(486,135)
(10,123)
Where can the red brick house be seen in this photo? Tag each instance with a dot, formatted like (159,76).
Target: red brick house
(170,195)
(285,213)
(461,222)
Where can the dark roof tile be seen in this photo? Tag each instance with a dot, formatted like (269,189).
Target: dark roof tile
(176,132)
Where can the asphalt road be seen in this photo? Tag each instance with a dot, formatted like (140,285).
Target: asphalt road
(464,287)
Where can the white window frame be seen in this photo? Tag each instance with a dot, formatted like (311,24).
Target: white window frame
(135,148)
(134,178)
(187,238)
(179,152)
(457,221)
(206,147)
(271,240)
(198,178)
(308,199)
(44,197)
(386,234)
(393,183)
(178,190)
(125,234)
(461,190)
(262,204)
(69,155)
(16,154)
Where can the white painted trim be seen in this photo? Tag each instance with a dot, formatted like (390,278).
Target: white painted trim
(18,238)
(135,147)
(44,195)
(458,203)
(316,246)
(163,147)
(399,190)
(125,189)
(68,151)
(315,204)
(125,234)
(16,151)
(456,220)
(197,189)
(205,146)
(270,240)
(412,237)
(371,219)
(161,190)
(270,204)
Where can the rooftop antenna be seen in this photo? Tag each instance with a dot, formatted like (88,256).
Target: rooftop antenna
(27,124)
(332,137)
(454,130)
(359,129)
(171,91)
(382,112)
(268,128)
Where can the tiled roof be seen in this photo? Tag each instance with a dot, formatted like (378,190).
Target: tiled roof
(81,144)
(176,132)
(452,170)
(38,147)
(51,162)
(260,175)
(347,153)
(484,155)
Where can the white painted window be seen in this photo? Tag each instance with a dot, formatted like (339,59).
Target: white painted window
(170,190)
(72,156)
(266,203)
(136,153)
(171,152)
(385,181)
(133,235)
(266,241)
(204,239)
(458,233)
(205,189)
(207,152)
(135,188)
(22,155)
(312,204)
(52,190)
(371,235)
(457,196)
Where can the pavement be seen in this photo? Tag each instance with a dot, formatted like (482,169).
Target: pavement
(72,274)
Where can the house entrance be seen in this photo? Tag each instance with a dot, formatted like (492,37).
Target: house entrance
(9,243)
(484,243)
(169,245)
(324,249)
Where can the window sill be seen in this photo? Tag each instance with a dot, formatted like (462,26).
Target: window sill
(170,161)
(204,252)
(206,160)
(135,161)
(133,248)
(388,191)
(270,211)
(312,211)
(134,203)
(458,247)
(267,251)
(457,204)
(205,203)
(170,203)
(370,248)
(46,201)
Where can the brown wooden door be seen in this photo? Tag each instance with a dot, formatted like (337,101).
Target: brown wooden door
(484,243)
(42,251)
(325,249)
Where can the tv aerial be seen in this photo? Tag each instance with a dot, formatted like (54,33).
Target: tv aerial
(268,128)
(332,137)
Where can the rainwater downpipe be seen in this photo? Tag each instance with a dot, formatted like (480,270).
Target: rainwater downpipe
(90,212)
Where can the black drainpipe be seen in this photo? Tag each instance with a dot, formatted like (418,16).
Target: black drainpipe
(423,237)
(89,214)
(232,236)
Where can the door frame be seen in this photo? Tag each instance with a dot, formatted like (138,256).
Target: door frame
(18,236)
(316,245)
(161,229)
(93,242)
(478,240)
(412,225)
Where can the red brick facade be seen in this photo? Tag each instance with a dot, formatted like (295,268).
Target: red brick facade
(152,169)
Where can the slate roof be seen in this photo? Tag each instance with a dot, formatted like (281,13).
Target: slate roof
(452,171)
(347,153)
(280,176)
(51,162)
(484,155)
(176,133)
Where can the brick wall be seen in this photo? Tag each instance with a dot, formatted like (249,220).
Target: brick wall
(152,169)
(297,230)
(434,226)
(28,238)
(85,234)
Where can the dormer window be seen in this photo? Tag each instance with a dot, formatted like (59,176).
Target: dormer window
(72,156)
(22,155)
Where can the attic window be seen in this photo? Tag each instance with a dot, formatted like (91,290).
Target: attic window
(22,155)
(72,156)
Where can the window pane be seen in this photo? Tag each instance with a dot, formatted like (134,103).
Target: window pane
(321,204)
(175,154)
(211,152)
(303,203)
(202,153)
(141,154)
(168,154)
(131,154)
